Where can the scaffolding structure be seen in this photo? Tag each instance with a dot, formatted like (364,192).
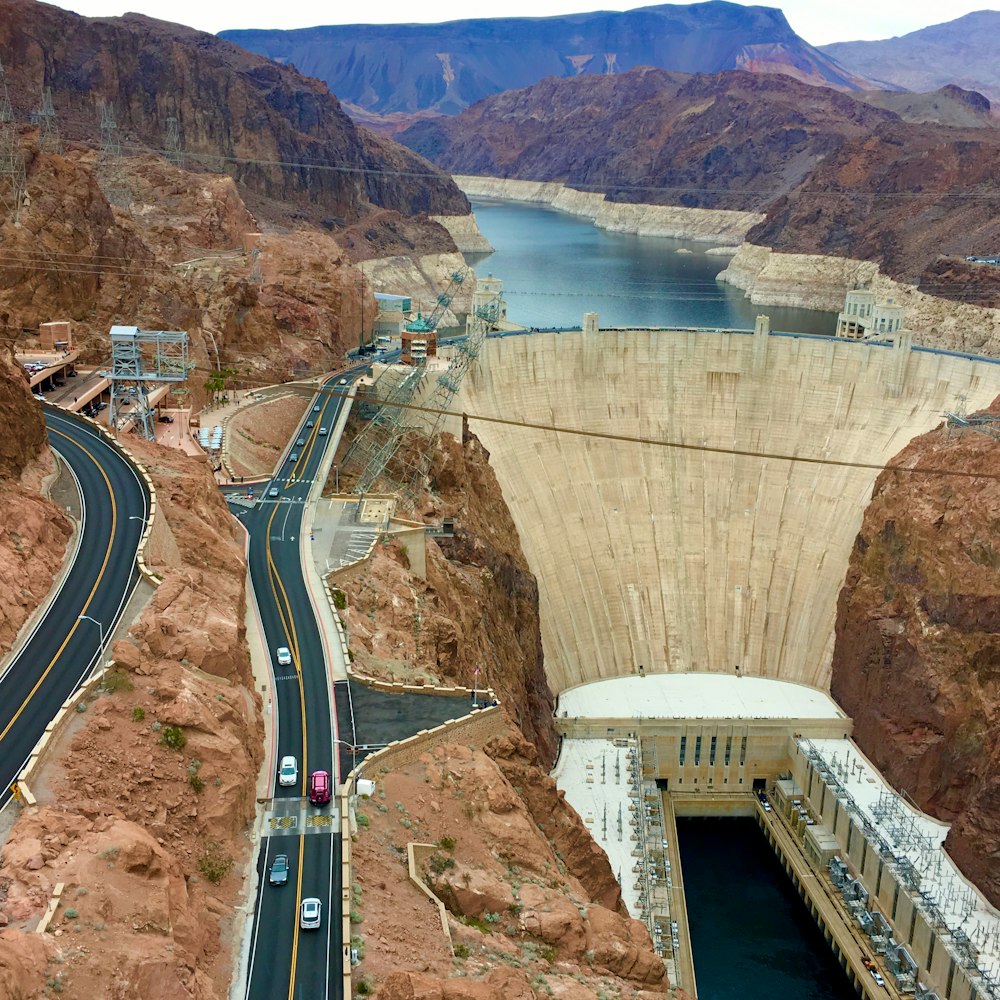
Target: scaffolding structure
(378,444)
(140,358)
(13,180)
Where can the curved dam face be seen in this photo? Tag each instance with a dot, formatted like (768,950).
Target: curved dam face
(688,560)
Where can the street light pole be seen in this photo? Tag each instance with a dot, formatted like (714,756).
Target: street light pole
(100,626)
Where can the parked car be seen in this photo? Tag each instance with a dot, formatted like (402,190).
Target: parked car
(278,872)
(284,656)
(288,772)
(319,788)
(311,914)
(165,418)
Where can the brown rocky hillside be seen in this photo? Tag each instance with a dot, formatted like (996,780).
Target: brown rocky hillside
(264,124)
(917,656)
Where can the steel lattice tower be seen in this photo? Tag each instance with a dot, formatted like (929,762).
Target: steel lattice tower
(11,158)
(175,151)
(375,446)
(140,357)
(49,139)
(109,162)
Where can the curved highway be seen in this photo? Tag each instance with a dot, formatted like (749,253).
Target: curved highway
(63,648)
(285,961)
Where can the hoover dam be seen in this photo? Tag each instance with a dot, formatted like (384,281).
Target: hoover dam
(652,549)
(688,501)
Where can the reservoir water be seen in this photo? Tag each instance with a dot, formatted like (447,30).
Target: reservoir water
(555,267)
(751,935)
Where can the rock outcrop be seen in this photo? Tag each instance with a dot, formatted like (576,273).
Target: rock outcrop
(816,281)
(917,655)
(513,897)
(478,605)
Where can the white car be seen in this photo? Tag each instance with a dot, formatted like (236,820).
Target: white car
(876,975)
(311,914)
(284,656)
(288,773)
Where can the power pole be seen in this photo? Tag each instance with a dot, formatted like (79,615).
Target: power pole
(256,276)
(11,159)
(49,140)
(175,152)
(109,162)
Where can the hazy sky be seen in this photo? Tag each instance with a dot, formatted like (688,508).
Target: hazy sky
(817,21)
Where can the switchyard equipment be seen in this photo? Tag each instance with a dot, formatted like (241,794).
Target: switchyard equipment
(138,358)
(379,442)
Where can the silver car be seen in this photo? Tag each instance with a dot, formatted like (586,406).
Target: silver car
(310,914)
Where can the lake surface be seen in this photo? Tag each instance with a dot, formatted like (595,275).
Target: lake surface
(555,267)
(751,934)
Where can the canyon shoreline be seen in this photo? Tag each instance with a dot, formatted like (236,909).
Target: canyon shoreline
(767,277)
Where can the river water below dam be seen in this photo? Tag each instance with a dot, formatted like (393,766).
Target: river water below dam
(556,266)
(751,934)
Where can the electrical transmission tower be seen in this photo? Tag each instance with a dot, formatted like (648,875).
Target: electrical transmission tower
(49,140)
(140,358)
(378,444)
(175,152)
(256,276)
(11,159)
(110,173)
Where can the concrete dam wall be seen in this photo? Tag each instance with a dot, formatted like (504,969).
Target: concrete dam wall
(688,560)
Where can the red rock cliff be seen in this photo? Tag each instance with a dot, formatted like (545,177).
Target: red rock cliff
(917,655)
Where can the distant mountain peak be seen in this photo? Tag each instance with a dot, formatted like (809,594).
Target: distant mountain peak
(416,68)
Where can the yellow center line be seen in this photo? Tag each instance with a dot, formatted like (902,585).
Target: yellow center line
(298,909)
(90,596)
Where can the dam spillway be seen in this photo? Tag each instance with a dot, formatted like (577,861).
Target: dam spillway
(681,559)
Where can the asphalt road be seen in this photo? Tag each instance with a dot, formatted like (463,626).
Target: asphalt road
(286,962)
(62,649)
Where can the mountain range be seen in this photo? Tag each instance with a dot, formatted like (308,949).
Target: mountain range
(963,51)
(443,68)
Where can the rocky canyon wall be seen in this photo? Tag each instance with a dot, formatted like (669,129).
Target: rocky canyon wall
(478,605)
(917,654)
